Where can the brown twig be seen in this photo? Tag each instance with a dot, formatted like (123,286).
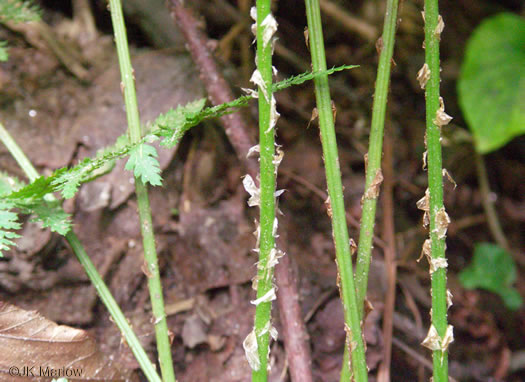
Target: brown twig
(294,330)
(295,336)
(216,86)
(390,258)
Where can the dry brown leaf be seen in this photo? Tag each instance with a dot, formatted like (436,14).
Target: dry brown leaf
(36,349)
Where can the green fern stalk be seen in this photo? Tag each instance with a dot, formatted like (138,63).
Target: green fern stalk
(95,278)
(438,218)
(335,192)
(375,149)
(150,253)
(374,175)
(373,163)
(267,191)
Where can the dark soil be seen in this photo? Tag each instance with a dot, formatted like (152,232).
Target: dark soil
(203,225)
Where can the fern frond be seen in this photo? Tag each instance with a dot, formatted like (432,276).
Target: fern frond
(170,126)
(8,222)
(173,124)
(307,76)
(144,164)
(9,183)
(52,216)
(18,11)
(49,213)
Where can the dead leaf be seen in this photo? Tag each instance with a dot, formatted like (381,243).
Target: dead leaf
(36,349)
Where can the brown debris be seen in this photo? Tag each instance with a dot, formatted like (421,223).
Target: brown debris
(442,118)
(434,342)
(328,205)
(426,251)
(449,177)
(423,204)
(306,37)
(353,246)
(442,222)
(373,190)
(315,115)
(379,45)
(439,27)
(423,75)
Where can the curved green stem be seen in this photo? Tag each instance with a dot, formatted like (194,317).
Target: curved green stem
(148,237)
(335,192)
(373,168)
(91,271)
(375,150)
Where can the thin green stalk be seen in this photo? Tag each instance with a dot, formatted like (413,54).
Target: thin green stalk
(150,253)
(267,191)
(335,192)
(435,118)
(374,175)
(17,153)
(95,278)
(107,298)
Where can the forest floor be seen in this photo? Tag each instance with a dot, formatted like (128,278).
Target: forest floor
(61,113)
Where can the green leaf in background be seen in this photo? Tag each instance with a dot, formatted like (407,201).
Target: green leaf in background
(493,269)
(4,55)
(491,84)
